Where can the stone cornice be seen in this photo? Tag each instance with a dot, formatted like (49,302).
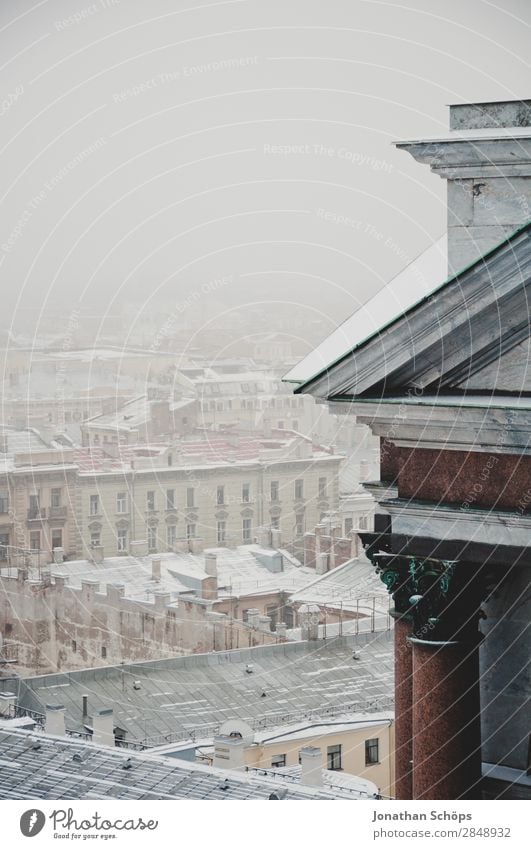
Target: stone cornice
(442,521)
(459,424)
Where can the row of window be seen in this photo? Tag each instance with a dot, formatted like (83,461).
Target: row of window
(252,404)
(56,495)
(153,540)
(56,539)
(170,501)
(270,386)
(334,755)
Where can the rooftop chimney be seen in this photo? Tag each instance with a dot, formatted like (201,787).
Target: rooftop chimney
(7,703)
(211,563)
(155,568)
(97,554)
(55,720)
(309,615)
(311,770)
(103,727)
(229,752)
(276,538)
(486,160)
(321,564)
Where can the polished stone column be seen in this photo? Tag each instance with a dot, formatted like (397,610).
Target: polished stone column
(446,720)
(403,708)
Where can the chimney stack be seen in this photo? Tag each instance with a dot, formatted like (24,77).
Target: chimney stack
(276,538)
(155,568)
(311,769)
(309,615)
(55,720)
(486,160)
(229,752)
(103,727)
(7,703)
(97,554)
(321,564)
(211,563)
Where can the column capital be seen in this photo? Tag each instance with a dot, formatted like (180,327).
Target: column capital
(441,597)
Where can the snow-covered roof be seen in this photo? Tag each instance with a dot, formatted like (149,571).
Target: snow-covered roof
(415,282)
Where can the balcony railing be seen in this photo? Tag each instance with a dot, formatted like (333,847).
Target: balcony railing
(36,514)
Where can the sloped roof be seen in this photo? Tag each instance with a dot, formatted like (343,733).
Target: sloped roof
(453,329)
(416,281)
(50,772)
(182,696)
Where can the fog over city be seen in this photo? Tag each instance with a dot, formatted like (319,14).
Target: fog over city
(149,150)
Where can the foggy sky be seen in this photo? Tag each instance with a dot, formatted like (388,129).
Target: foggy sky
(149,148)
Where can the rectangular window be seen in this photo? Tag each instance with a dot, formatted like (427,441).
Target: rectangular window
(190,531)
(4,502)
(274,490)
(95,538)
(122,539)
(348,526)
(246,493)
(333,757)
(57,538)
(281,425)
(322,487)
(372,755)
(35,540)
(56,497)
(152,538)
(222,533)
(220,495)
(94,505)
(299,526)
(278,760)
(104,651)
(74,646)
(362,523)
(247,530)
(170,499)
(190,497)
(121,502)
(150,499)
(299,488)
(171,535)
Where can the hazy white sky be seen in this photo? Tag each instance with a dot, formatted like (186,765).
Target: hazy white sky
(150,147)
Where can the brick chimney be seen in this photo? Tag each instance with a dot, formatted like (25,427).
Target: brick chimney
(486,161)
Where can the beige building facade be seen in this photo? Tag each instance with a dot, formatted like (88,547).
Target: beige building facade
(194,505)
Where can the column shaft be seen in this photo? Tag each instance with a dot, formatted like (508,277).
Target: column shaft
(446,721)
(403,710)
